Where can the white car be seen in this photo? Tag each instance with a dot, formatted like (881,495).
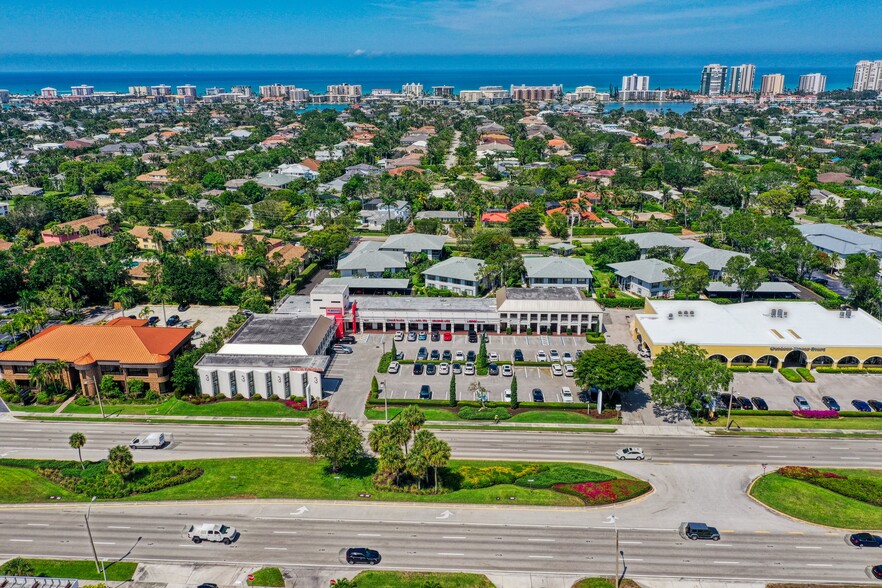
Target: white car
(460,356)
(569,370)
(507,371)
(443,369)
(556,370)
(566,394)
(554,355)
(394,367)
(469,369)
(540,356)
(506,395)
(630,453)
(567,357)
(493,356)
(399,335)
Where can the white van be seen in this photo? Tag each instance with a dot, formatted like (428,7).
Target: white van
(566,394)
(148,441)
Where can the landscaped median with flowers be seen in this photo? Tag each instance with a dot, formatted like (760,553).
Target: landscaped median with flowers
(844,498)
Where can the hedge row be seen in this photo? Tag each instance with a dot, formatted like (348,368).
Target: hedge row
(762,369)
(622,302)
(790,375)
(832,370)
(401,402)
(305,276)
(789,413)
(612,231)
(806,374)
(822,290)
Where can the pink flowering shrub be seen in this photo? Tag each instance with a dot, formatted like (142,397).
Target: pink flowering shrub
(816,414)
(609,492)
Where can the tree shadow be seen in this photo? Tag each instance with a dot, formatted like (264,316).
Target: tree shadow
(364,468)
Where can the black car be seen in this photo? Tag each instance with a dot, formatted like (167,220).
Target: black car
(759,403)
(183,306)
(362,555)
(471,356)
(697,531)
(435,355)
(172,320)
(430,369)
(877,572)
(861,406)
(436,336)
(830,403)
(744,403)
(446,355)
(473,337)
(725,400)
(425,392)
(348,339)
(518,355)
(418,369)
(423,353)
(865,540)
(538,396)
(875,404)
(493,369)
(152,321)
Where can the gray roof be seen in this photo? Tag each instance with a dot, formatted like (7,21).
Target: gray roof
(840,240)
(414,242)
(241,360)
(439,214)
(716,259)
(651,271)
(273,180)
(562,293)
(370,283)
(764,288)
(368,256)
(274,329)
(563,246)
(650,240)
(457,268)
(556,267)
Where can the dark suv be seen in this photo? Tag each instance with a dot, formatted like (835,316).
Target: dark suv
(697,531)
(425,392)
(362,555)
(865,540)
(473,337)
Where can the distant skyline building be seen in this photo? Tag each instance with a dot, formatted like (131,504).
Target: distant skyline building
(773,84)
(214,91)
(713,79)
(741,78)
(635,83)
(160,90)
(4,96)
(813,83)
(48,93)
(412,89)
(139,91)
(82,91)
(245,91)
(867,76)
(442,91)
(187,90)
(536,93)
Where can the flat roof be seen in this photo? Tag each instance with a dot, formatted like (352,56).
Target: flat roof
(370,283)
(801,324)
(274,329)
(425,304)
(294,305)
(564,293)
(764,288)
(242,360)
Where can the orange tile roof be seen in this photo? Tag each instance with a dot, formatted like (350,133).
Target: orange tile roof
(5,245)
(88,240)
(289,253)
(398,171)
(311,164)
(520,206)
(225,238)
(93,222)
(83,344)
(494,217)
(143,232)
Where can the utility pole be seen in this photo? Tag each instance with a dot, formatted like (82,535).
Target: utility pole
(729,413)
(89,531)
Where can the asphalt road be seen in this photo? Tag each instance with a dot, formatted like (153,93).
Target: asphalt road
(424,537)
(32,439)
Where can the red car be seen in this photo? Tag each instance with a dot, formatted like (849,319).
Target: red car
(448,336)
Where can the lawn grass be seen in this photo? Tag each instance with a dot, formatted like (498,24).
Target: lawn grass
(377,579)
(19,485)
(521,429)
(817,505)
(605,583)
(175,407)
(268,577)
(801,434)
(172,421)
(303,478)
(120,571)
(790,422)
(570,417)
(432,414)
(33,408)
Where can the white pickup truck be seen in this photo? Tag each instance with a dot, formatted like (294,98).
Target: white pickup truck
(212,532)
(149,441)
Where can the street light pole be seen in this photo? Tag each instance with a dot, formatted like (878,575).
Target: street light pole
(385,401)
(729,413)
(89,531)
(613,520)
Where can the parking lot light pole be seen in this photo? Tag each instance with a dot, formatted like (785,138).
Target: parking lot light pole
(385,401)
(89,531)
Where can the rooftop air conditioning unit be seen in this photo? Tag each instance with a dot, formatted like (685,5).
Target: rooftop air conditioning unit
(785,314)
(848,313)
(692,313)
(670,316)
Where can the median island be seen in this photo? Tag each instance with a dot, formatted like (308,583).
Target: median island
(842,498)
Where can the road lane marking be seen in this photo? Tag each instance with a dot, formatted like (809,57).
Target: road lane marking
(699,445)
(849,458)
(285,532)
(820,565)
(541,556)
(702,454)
(765,532)
(38,524)
(22,540)
(767,446)
(795,533)
(777,456)
(452,554)
(631,542)
(452,537)
(634,559)
(807,547)
(715,544)
(113,527)
(369,535)
(104,543)
(276,548)
(728,562)
(543,540)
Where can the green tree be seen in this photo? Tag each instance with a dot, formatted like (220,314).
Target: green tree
(689,280)
(612,368)
(684,376)
(776,202)
(120,461)
(328,243)
(481,359)
(437,454)
(614,250)
(77,441)
(742,272)
(524,222)
(109,387)
(514,392)
(336,439)
(557,225)
(452,390)
(859,274)
(17,566)
(125,296)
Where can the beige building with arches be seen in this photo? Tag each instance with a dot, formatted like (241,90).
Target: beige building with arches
(763,333)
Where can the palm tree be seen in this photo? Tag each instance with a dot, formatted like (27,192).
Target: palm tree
(77,441)
(54,372)
(160,293)
(28,299)
(125,296)
(145,312)
(39,375)
(437,454)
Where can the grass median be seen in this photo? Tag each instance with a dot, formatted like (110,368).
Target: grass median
(465,481)
(565,417)
(175,407)
(375,579)
(117,571)
(760,421)
(806,501)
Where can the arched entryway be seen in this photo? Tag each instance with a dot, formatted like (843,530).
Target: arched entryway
(874,361)
(848,361)
(742,361)
(718,357)
(768,360)
(822,361)
(795,358)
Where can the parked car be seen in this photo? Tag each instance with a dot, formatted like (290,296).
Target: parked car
(425,392)
(830,403)
(759,403)
(865,540)
(362,555)
(341,349)
(448,336)
(556,369)
(473,337)
(537,395)
(411,336)
(801,403)
(821,281)
(446,355)
(348,339)
(152,321)
(436,336)
(697,531)
(554,355)
(460,356)
(875,405)
(727,399)
(431,369)
(394,367)
(877,572)
(418,369)
(493,369)
(469,369)
(566,394)
(569,370)
(457,368)
(861,406)
(630,453)
(493,356)
(423,353)
(471,356)
(423,336)
(435,355)
(744,403)
(541,356)
(567,357)
(518,355)
(172,320)
(399,335)
(507,371)
(443,369)
(183,306)
(506,395)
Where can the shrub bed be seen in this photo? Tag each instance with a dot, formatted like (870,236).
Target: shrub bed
(790,375)
(473,477)
(594,493)
(806,374)
(622,302)
(816,414)
(487,414)
(865,490)
(837,370)
(561,475)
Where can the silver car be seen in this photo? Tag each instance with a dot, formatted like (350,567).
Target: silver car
(630,453)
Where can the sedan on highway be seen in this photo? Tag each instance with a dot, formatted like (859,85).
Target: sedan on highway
(830,403)
(861,406)
(362,555)
(801,403)
(865,540)
(759,403)
(630,453)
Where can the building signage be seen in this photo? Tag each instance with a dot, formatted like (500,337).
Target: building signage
(816,349)
(333,311)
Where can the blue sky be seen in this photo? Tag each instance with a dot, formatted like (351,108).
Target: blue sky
(382,29)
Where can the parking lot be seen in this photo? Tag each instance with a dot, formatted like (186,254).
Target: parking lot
(405,384)
(778,392)
(203,318)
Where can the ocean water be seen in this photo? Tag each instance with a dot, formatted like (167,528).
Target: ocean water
(22,82)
